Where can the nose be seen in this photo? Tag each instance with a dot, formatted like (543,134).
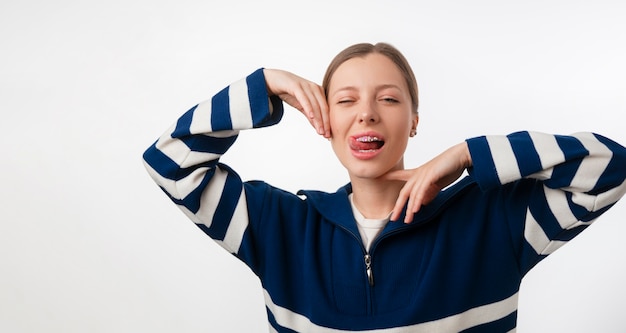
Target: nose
(368,115)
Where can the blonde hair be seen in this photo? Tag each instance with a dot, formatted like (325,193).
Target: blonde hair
(364,49)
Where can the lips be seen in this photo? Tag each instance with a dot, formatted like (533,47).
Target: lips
(366,143)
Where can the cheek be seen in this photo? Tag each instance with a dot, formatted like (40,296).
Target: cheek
(337,121)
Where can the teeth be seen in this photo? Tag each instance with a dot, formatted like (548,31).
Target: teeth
(367,139)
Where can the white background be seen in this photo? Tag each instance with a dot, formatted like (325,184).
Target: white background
(89,244)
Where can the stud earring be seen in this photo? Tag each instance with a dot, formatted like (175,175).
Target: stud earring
(413,133)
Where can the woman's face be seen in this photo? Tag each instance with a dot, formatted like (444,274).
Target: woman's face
(370,115)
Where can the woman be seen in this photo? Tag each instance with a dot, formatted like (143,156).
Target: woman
(390,251)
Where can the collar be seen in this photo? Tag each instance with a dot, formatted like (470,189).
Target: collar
(335,207)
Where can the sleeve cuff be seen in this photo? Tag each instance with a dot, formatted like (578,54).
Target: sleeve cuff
(266,110)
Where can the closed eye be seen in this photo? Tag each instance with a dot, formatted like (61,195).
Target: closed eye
(390,100)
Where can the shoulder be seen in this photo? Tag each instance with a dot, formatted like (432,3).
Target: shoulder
(467,196)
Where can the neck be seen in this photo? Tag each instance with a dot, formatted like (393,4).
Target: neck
(375,198)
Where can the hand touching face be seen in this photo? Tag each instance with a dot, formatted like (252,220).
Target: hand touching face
(304,95)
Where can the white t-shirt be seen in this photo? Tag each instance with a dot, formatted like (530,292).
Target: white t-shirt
(368,228)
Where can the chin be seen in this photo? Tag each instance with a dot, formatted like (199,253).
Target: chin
(366,173)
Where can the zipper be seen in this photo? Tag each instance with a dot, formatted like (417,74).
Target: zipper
(367,258)
(368,269)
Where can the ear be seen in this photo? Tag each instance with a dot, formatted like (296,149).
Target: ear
(414,122)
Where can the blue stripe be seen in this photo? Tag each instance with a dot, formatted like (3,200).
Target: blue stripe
(257,95)
(184,123)
(192,200)
(540,210)
(160,162)
(258,98)
(221,120)
(568,235)
(483,169)
(209,144)
(563,174)
(574,152)
(169,169)
(582,214)
(184,172)
(528,160)
(571,147)
(226,206)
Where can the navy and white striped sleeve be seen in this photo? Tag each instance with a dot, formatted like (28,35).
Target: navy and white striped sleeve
(579,178)
(184,161)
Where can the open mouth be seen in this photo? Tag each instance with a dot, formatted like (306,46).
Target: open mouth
(366,143)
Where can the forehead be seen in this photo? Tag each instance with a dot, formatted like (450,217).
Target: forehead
(372,70)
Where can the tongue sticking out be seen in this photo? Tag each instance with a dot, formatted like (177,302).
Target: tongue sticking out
(366,143)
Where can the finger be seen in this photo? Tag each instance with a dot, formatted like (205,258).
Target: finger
(416,200)
(315,112)
(403,198)
(410,208)
(307,107)
(414,205)
(324,110)
(397,209)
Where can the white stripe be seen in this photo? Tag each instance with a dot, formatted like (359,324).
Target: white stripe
(456,323)
(534,234)
(609,197)
(546,146)
(559,206)
(167,184)
(585,200)
(537,238)
(180,154)
(201,120)
(186,185)
(553,246)
(177,189)
(222,134)
(587,175)
(240,113)
(195,158)
(189,214)
(175,149)
(503,159)
(237,225)
(211,197)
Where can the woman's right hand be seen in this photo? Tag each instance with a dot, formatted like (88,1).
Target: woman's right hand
(306,96)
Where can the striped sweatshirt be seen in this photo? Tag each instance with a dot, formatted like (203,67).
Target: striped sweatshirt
(456,268)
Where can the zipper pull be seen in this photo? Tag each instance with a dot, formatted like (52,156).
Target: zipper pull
(368,269)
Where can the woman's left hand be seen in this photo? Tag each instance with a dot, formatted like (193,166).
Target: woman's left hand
(424,183)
